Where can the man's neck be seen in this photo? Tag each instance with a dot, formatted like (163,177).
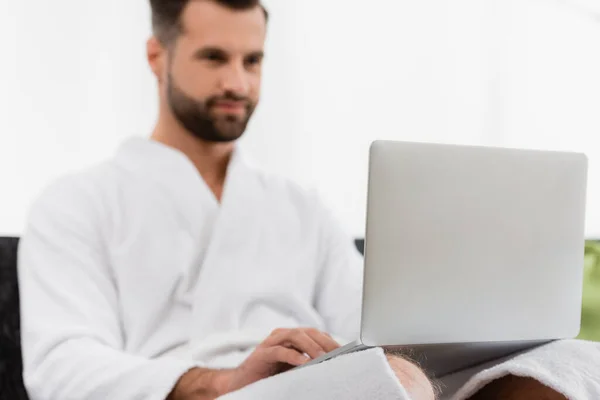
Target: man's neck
(210,159)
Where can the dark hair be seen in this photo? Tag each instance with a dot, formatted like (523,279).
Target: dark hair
(166,15)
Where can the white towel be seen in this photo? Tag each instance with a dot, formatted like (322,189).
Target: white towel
(571,367)
(356,376)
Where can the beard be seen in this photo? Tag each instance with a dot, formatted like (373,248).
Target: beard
(194,115)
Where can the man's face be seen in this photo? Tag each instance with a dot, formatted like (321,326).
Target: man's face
(213,70)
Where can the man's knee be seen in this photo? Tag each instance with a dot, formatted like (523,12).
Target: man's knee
(513,387)
(412,378)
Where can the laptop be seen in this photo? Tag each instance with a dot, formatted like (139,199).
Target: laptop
(471,253)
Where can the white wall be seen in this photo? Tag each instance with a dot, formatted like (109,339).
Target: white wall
(73,84)
(338,75)
(386,70)
(516,73)
(553,86)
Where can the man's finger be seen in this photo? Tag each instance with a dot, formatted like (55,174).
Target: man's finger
(276,338)
(285,355)
(297,339)
(324,340)
(301,341)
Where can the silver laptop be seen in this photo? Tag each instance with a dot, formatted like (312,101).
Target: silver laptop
(471,253)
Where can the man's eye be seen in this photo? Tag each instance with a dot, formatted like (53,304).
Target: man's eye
(251,61)
(214,57)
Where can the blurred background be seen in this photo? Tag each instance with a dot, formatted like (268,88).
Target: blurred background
(74,84)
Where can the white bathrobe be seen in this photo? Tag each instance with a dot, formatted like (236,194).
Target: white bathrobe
(132,272)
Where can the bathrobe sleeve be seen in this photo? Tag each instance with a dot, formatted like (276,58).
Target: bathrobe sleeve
(71,337)
(339,286)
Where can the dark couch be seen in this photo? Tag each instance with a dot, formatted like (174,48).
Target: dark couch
(11,366)
(11,380)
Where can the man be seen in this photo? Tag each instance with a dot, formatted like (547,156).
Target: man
(176,270)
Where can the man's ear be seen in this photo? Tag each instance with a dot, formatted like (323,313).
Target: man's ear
(157,57)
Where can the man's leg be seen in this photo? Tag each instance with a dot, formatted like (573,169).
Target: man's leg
(513,387)
(557,370)
(412,378)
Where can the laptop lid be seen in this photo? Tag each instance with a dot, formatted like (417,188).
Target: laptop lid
(472,244)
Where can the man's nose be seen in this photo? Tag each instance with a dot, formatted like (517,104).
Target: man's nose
(235,80)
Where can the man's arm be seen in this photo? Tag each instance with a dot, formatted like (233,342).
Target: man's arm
(201,384)
(71,335)
(282,350)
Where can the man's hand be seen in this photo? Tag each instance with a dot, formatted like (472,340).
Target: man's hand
(281,351)
(200,384)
